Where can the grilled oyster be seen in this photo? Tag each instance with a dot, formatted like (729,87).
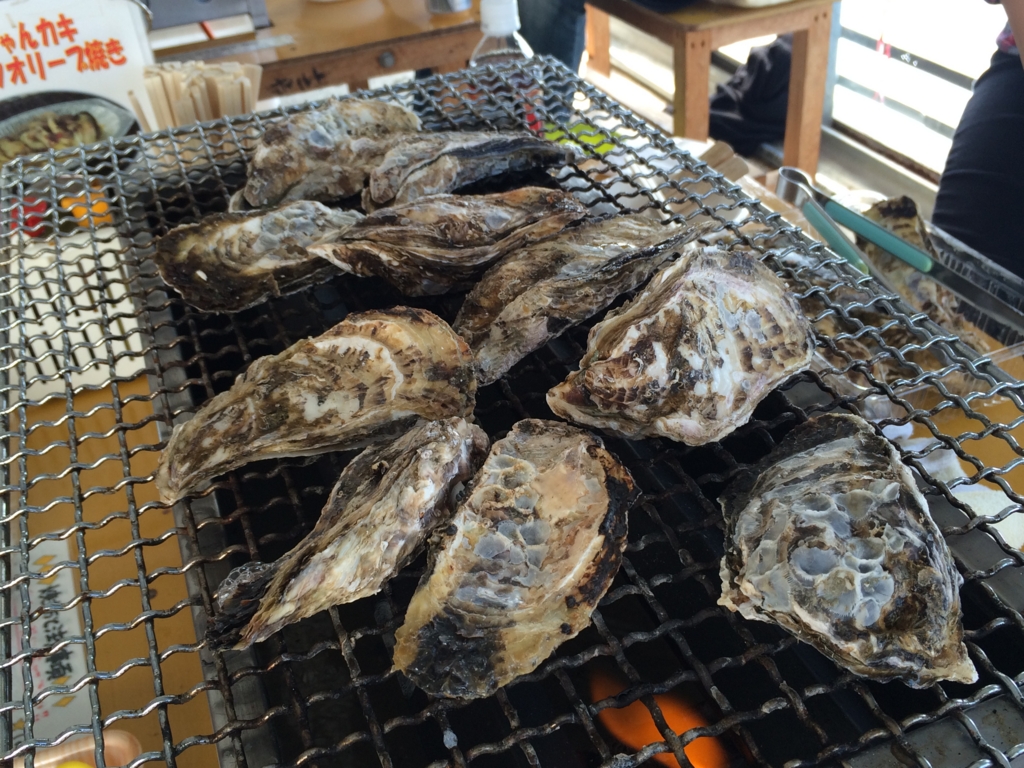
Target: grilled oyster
(529,554)
(899,215)
(230,261)
(370,377)
(433,163)
(690,357)
(533,295)
(443,241)
(386,503)
(325,153)
(829,537)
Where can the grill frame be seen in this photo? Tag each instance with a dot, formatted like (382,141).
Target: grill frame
(187,356)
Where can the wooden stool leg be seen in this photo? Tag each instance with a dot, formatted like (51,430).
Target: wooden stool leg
(598,41)
(807,81)
(691,58)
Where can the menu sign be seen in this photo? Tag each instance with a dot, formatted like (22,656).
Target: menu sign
(57,627)
(70,72)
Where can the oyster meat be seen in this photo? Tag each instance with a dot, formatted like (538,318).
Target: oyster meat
(386,503)
(530,552)
(429,164)
(325,153)
(441,242)
(536,293)
(370,377)
(692,355)
(231,261)
(829,537)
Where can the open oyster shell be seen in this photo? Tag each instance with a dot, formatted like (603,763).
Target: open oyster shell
(386,503)
(829,537)
(522,566)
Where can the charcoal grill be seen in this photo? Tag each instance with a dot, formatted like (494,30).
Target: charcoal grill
(99,361)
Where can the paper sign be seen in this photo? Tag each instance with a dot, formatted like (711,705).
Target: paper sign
(63,666)
(62,59)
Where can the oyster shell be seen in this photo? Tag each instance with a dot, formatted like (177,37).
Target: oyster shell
(533,295)
(829,537)
(429,164)
(530,552)
(384,506)
(231,261)
(325,153)
(440,242)
(899,215)
(370,377)
(692,355)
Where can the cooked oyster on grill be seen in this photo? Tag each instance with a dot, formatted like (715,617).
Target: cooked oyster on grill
(829,537)
(528,555)
(443,241)
(370,377)
(230,261)
(535,294)
(386,503)
(899,215)
(429,164)
(691,356)
(325,153)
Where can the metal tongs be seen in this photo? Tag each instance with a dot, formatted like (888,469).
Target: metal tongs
(823,213)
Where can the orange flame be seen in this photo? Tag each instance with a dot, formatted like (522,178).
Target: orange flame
(634,726)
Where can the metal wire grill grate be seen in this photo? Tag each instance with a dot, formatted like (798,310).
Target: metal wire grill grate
(103,590)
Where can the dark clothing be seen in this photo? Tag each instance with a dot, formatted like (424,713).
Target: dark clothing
(981,194)
(750,109)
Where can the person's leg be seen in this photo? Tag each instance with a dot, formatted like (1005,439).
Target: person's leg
(981,194)
(555,28)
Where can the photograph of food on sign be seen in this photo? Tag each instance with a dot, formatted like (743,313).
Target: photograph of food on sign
(70,73)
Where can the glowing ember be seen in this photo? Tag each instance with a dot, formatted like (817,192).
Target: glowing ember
(634,726)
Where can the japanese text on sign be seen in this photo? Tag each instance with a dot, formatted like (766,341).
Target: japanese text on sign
(51,43)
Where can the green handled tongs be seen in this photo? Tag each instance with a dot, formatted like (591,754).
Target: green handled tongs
(823,213)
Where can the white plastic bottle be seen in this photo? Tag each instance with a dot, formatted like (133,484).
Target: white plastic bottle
(502,44)
(499,21)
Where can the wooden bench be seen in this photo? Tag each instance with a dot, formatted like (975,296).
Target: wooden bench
(699,29)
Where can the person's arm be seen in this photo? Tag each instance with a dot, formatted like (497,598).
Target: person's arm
(1015,13)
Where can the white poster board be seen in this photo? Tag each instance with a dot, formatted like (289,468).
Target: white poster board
(67,69)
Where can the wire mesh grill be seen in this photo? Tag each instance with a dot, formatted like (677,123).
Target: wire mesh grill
(104,590)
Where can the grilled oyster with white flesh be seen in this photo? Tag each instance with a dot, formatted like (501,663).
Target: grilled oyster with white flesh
(692,355)
(386,503)
(441,242)
(231,261)
(431,164)
(829,537)
(535,294)
(324,153)
(530,552)
(369,378)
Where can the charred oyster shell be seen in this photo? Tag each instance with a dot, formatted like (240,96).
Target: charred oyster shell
(829,537)
(441,242)
(386,503)
(325,153)
(430,164)
(692,355)
(528,555)
(370,377)
(231,261)
(536,293)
